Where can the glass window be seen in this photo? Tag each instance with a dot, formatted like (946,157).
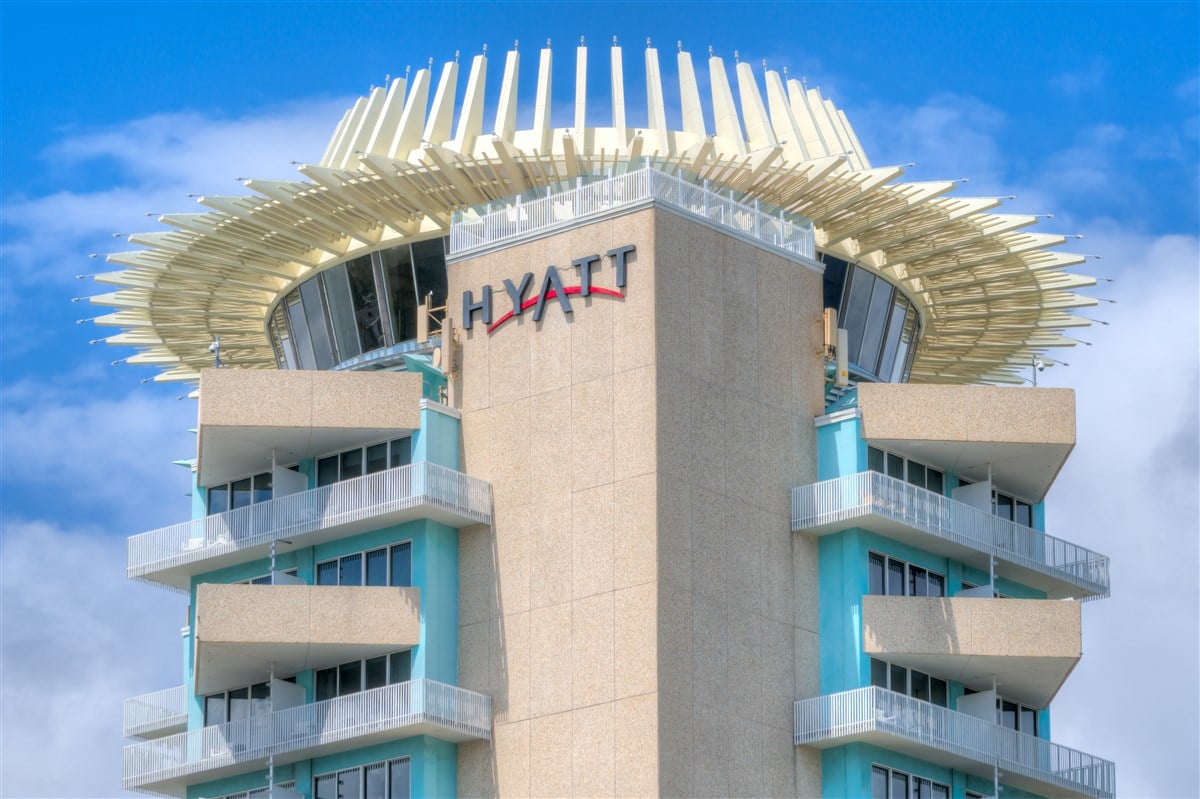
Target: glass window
(400,666)
(429,264)
(241,493)
(350,570)
(350,784)
(1024,513)
(263,485)
(879,673)
(401,452)
(887,360)
(895,466)
(398,779)
(299,327)
(1028,720)
(1008,714)
(377,458)
(899,784)
(341,311)
(327,573)
(854,310)
(377,566)
(218,498)
(318,327)
(376,781)
(327,471)
(872,338)
(938,693)
(875,574)
(918,582)
(898,679)
(376,671)
(352,464)
(875,459)
(936,584)
(366,303)
(326,684)
(326,787)
(398,272)
(239,704)
(214,710)
(401,556)
(934,481)
(895,583)
(916,474)
(350,677)
(919,685)
(1004,506)
(879,783)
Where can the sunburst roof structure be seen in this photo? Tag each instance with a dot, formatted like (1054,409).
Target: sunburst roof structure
(991,294)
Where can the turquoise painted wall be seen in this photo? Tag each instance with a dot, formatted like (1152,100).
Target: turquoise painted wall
(437,440)
(433,769)
(840,449)
(846,773)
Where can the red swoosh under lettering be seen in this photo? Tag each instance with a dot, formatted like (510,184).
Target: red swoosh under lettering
(551,294)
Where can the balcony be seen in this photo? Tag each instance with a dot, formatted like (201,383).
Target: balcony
(156,714)
(955,740)
(244,632)
(173,555)
(1018,437)
(1029,646)
(941,525)
(420,707)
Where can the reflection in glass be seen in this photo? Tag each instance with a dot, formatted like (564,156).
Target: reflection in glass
(398,779)
(350,570)
(241,493)
(318,330)
(366,303)
(218,498)
(402,564)
(341,311)
(377,564)
(299,328)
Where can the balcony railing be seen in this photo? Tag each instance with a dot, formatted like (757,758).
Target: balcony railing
(845,500)
(857,713)
(464,499)
(158,712)
(521,217)
(418,707)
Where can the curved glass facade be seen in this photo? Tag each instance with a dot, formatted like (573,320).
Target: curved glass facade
(357,307)
(883,326)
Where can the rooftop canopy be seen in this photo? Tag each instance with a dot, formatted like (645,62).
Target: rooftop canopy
(990,294)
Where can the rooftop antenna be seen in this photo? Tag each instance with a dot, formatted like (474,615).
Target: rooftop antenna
(215,349)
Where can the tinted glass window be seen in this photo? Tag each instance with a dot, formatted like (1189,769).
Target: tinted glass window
(299,328)
(398,779)
(218,499)
(875,578)
(377,458)
(341,311)
(262,487)
(352,464)
(366,303)
(349,678)
(327,573)
(241,493)
(377,565)
(350,570)
(401,452)
(402,292)
(326,684)
(377,672)
(318,328)
(402,565)
(327,471)
(400,667)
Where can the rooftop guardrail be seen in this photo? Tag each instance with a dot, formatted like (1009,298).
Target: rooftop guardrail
(851,714)
(157,712)
(419,706)
(851,498)
(466,500)
(522,218)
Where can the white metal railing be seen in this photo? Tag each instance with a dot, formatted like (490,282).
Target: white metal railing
(863,710)
(520,217)
(455,710)
(155,711)
(415,485)
(844,499)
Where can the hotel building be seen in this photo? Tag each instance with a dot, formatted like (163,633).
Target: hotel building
(683,459)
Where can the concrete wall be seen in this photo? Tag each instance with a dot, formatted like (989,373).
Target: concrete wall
(307,614)
(639,610)
(926,412)
(739,383)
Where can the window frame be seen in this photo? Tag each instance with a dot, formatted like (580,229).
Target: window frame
(912,783)
(337,458)
(890,669)
(398,664)
(387,549)
(908,467)
(907,579)
(388,766)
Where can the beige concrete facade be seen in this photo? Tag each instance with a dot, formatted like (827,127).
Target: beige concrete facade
(244,414)
(1023,434)
(1029,645)
(241,630)
(642,616)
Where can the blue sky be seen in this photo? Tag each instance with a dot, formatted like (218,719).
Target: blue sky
(110,111)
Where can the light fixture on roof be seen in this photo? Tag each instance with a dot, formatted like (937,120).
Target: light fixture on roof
(215,349)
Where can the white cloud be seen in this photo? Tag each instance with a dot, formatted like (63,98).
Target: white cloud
(78,640)
(1085,80)
(159,160)
(95,456)
(1130,491)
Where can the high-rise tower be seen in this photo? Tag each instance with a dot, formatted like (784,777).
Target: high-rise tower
(611,461)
